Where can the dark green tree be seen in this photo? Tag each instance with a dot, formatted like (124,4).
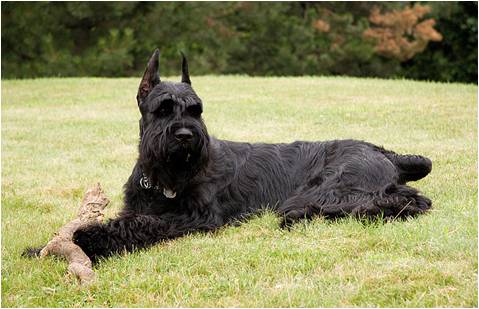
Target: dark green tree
(255,38)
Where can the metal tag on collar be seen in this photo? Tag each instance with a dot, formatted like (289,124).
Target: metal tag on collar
(146,184)
(169,193)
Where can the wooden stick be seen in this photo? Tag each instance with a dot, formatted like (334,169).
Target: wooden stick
(90,212)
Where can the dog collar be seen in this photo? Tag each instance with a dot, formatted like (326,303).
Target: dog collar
(146,184)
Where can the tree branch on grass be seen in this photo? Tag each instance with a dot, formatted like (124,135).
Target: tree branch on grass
(91,211)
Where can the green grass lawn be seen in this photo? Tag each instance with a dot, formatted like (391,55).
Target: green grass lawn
(59,136)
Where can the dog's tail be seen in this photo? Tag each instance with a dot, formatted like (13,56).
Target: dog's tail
(410,167)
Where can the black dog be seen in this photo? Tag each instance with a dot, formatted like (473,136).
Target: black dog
(186,181)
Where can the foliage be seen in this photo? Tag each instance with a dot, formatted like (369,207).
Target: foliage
(392,29)
(255,38)
(455,57)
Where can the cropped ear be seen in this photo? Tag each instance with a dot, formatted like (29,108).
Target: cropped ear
(151,77)
(185,76)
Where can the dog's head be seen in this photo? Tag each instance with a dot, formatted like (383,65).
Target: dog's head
(173,138)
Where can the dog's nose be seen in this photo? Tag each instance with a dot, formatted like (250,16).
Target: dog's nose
(183,134)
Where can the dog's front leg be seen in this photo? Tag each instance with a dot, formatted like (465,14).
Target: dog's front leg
(131,232)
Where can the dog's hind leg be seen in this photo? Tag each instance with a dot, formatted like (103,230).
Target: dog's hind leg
(395,201)
(392,201)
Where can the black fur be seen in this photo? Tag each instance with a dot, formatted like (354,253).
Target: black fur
(218,182)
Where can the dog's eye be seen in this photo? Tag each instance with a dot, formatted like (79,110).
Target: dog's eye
(194,110)
(165,108)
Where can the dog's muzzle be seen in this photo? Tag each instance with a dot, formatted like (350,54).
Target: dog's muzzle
(183,135)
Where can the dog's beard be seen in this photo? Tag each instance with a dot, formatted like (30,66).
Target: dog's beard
(181,155)
(171,164)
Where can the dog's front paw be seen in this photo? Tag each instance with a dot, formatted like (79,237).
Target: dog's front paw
(31,252)
(92,240)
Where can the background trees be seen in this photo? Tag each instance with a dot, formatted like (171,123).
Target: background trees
(437,40)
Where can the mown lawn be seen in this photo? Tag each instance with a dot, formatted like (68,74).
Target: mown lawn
(59,136)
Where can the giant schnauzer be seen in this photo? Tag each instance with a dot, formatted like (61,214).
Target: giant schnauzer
(186,181)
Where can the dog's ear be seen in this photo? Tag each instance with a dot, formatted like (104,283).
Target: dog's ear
(185,75)
(151,77)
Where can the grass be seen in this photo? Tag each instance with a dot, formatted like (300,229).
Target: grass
(59,136)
